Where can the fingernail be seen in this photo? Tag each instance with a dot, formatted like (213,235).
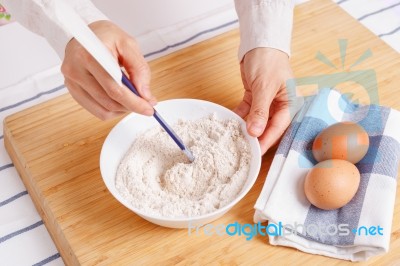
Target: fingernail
(148,111)
(153,102)
(146,92)
(256,128)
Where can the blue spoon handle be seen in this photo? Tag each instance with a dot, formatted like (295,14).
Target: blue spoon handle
(160,120)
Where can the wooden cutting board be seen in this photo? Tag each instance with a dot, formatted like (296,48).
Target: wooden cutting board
(56,145)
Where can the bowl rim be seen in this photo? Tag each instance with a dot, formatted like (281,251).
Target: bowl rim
(189,218)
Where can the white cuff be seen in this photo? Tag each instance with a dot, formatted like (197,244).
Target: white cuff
(264,23)
(87,11)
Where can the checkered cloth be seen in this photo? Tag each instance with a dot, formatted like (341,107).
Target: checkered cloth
(360,229)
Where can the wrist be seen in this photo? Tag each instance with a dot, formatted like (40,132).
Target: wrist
(268,53)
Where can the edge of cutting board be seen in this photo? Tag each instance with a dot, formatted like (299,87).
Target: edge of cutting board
(54,229)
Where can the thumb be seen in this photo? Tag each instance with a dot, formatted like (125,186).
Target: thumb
(259,112)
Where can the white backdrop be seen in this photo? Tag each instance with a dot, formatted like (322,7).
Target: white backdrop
(140,17)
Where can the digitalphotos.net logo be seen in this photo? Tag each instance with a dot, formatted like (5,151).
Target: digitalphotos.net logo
(279,229)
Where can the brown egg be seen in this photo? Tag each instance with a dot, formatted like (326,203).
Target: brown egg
(345,141)
(331,184)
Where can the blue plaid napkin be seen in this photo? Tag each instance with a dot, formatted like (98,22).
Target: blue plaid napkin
(360,229)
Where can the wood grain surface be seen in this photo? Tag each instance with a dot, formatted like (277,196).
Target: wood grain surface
(56,145)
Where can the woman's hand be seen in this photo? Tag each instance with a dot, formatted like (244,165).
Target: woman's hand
(266,101)
(93,88)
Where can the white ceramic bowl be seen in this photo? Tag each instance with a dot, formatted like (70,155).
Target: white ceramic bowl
(124,133)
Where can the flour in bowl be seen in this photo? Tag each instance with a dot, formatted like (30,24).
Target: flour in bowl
(157,178)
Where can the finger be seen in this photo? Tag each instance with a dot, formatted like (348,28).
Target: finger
(242,109)
(259,111)
(138,70)
(88,83)
(119,94)
(87,102)
(244,106)
(274,130)
(153,101)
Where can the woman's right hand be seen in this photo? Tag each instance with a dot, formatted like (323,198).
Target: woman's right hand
(93,88)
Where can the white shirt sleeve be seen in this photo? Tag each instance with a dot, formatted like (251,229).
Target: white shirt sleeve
(264,23)
(39,17)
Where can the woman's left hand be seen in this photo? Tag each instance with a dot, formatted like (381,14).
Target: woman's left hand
(267,103)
